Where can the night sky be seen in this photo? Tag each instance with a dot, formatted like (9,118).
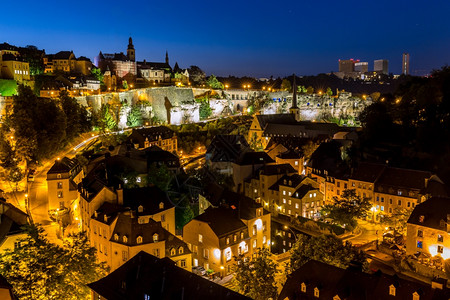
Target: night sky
(247,37)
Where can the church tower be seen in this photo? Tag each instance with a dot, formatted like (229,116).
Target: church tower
(167,57)
(294,108)
(130,51)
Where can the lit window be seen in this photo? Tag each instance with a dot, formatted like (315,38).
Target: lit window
(254,229)
(139,240)
(392,290)
(180,250)
(316,292)
(284,201)
(416,296)
(242,235)
(254,243)
(419,233)
(183,263)
(284,192)
(140,208)
(228,241)
(173,251)
(440,238)
(227,254)
(303,287)
(234,238)
(264,239)
(60,194)
(155,237)
(116,237)
(161,205)
(200,238)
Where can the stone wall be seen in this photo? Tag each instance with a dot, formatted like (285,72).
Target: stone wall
(163,102)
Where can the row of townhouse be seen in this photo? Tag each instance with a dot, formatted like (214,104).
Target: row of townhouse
(386,187)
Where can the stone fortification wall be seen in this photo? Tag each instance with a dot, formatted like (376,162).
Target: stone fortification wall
(165,102)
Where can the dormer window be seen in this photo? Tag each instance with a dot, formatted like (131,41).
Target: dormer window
(105,218)
(421,219)
(316,292)
(58,176)
(140,208)
(139,240)
(173,251)
(234,238)
(392,290)
(228,240)
(125,239)
(336,297)
(116,237)
(303,287)
(155,238)
(180,250)
(161,205)
(416,296)
(242,235)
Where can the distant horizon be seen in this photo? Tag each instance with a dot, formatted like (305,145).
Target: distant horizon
(256,38)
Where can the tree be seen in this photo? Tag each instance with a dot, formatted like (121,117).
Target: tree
(205,109)
(107,120)
(42,270)
(134,117)
(97,73)
(301,89)
(214,83)
(196,75)
(255,278)
(125,85)
(309,148)
(397,219)
(329,92)
(347,208)
(286,85)
(325,248)
(310,90)
(77,117)
(160,176)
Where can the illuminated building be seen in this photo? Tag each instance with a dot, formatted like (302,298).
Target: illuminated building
(362,66)
(381,66)
(347,65)
(236,226)
(119,63)
(405,64)
(428,228)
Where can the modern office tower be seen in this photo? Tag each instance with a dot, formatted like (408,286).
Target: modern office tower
(346,65)
(381,66)
(362,67)
(405,64)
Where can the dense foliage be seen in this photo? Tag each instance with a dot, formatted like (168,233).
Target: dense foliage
(255,277)
(325,248)
(39,269)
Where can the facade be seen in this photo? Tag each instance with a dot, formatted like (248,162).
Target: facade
(148,277)
(347,65)
(62,183)
(405,64)
(160,136)
(362,66)
(12,221)
(119,63)
(237,227)
(428,229)
(317,280)
(155,72)
(14,67)
(381,66)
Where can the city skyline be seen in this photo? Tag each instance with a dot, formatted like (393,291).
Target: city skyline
(257,39)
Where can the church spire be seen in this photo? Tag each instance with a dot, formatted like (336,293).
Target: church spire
(294,108)
(294,94)
(167,57)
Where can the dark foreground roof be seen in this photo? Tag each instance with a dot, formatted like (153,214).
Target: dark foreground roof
(431,212)
(353,284)
(148,276)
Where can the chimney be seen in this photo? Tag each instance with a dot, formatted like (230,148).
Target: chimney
(119,192)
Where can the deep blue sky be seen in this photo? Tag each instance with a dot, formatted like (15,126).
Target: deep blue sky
(247,37)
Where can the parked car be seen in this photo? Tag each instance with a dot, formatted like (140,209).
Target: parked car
(199,270)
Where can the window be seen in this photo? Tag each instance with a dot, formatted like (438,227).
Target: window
(290,202)
(382,198)
(116,237)
(419,244)
(409,204)
(440,249)
(139,240)
(440,238)
(227,254)
(421,219)
(416,296)
(284,193)
(228,240)
(234,238)
(303,287)
(264,239)
(156,252)
(140,208)
(161,205)
(125,239)
(419,233)
(254,229)
(124,255)
(60,184)
(316,292)
(392,290)
(163,218)
(254,243)
(242,235)
(180,250)
(183,263)
(382,208)
(264,226)
(284,201)
(399,202)
(58,176)
(390,201)
(378,198)
(173,251)
(205,253)
(155,238)
(60,194)
(200,238)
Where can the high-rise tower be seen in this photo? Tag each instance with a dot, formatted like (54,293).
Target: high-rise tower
(130,51)
(294,108)
(405,64)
